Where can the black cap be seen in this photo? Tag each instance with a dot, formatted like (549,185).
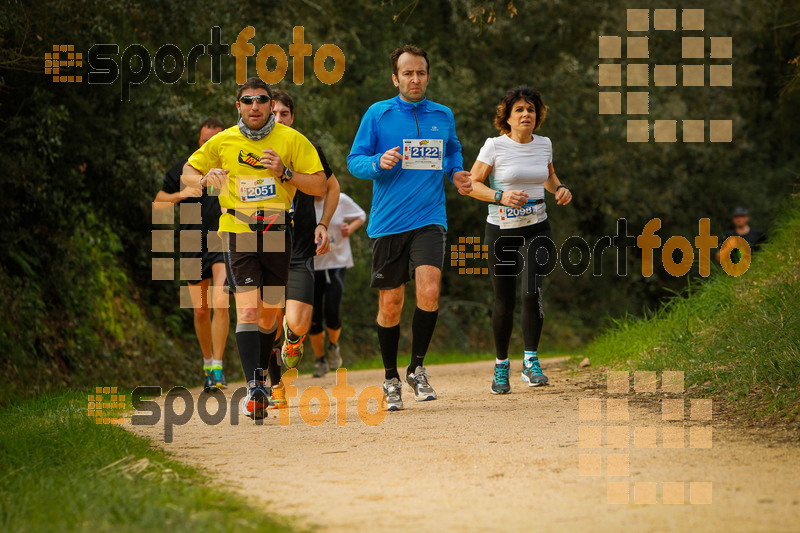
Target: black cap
(739,212)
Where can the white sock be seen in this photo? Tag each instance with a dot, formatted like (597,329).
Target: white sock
(216,363)
(206,363)
(499,361)
(530,355)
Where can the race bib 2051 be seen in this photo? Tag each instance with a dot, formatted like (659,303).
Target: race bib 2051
(257,190)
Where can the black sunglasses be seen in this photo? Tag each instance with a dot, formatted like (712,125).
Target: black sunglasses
(261,99)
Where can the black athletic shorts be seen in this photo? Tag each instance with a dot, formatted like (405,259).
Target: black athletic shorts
(301,281)
(328,292)
(394,255)
(256,260)
(206,261)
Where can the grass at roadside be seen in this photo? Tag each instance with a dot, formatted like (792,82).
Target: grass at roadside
(55,476)
(734,337)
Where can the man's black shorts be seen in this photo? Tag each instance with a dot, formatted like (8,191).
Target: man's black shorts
(394,255)
(259,260)
(301,281)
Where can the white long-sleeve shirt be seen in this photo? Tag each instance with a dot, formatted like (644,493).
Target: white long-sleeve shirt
(340,255)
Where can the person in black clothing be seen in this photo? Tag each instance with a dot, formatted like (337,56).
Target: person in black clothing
(741,228)
(309,239)
(211,332)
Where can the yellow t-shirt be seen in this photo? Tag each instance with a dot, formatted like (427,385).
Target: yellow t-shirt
(250,185)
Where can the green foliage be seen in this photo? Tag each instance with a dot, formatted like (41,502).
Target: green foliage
(80,323)
(104,478)
(736,337)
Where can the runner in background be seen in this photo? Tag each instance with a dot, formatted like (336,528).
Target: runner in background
(741,228)
(517,228)
(309,239)
(212,333)
(329,288)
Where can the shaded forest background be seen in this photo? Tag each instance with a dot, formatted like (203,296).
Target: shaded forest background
(81,166)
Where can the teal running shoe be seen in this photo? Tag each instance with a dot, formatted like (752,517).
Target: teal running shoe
(218,379)
(532,373)
(500,384)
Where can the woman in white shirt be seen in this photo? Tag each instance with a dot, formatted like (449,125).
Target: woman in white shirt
(517,230)
(329,270)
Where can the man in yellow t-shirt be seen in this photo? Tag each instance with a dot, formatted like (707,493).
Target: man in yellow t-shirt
(257,166)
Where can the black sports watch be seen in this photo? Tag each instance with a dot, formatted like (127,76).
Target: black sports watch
(287,172)
(561,186)
(498,196)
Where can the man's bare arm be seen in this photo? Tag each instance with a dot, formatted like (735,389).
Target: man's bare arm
(321,238)
(191,177)
(331,201)
(165,199)
(311,184)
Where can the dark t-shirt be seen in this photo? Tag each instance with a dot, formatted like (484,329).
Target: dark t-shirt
(209,210)
(754,237)
(305,217)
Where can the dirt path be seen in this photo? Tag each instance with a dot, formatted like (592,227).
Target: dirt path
(471,461)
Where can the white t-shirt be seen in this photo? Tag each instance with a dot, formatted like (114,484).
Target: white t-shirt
(339,255)
(517,166)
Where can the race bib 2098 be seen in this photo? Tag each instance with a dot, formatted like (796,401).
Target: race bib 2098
(511,217)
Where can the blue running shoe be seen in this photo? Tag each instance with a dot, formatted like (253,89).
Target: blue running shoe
(532,373)
(500,383)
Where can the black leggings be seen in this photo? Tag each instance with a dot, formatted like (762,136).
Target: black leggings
(328,285)
(526,252)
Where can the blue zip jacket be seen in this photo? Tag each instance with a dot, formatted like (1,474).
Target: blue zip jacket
(404,200)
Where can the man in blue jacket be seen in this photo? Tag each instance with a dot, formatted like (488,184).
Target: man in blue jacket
(407,145)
